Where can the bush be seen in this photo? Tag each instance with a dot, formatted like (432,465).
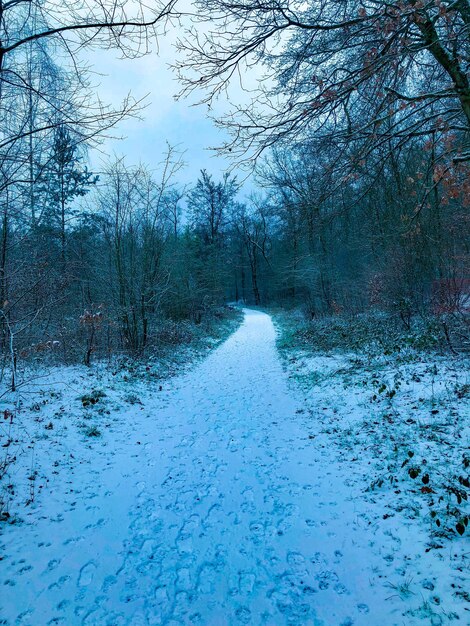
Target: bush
(90,399)
(92,431)
(373,332)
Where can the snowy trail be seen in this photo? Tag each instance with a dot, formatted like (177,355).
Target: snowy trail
(212,506)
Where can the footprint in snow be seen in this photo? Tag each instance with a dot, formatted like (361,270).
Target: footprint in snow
(206,579)
(183,580)
(295,560)
(53,563)
(148,548)
(101,522)
(59,583)
(248,493)
(248,507)
(246,583)
(283,525)
(243,615)
(318,557)
(86,574)
(63,604)
(72,540)
(161,596)
(326,578)
(340,589)
(184,544)
(180,606)
(257,531)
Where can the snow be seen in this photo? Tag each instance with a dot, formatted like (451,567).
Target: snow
(218,499)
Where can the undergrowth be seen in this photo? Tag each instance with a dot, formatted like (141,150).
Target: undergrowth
(410,395)
(374,333)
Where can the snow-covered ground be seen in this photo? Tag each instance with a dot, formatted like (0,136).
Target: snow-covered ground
(217,499)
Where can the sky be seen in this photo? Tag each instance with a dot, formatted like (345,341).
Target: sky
(179,123)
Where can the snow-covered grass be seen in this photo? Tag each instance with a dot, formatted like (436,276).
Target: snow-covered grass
(57,411)
(396,413)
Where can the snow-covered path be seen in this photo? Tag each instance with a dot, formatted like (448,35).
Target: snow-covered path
(211,506)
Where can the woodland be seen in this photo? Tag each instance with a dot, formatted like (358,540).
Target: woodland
(241,399)
(357,137)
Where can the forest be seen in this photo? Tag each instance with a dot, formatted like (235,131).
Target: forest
(343,214)
(361,188)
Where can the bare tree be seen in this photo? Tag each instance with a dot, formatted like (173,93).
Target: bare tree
(210,204)
(363,70)
(136,229)
(30,30)
(252,226)
(128,26)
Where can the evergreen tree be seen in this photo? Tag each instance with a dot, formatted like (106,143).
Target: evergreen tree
(66,178)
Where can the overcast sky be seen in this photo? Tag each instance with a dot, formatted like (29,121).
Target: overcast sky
(164,120)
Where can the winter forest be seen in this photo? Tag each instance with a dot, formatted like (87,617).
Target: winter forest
(234,323)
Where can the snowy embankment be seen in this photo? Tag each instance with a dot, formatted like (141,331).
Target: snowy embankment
(223,496)
(398,424)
